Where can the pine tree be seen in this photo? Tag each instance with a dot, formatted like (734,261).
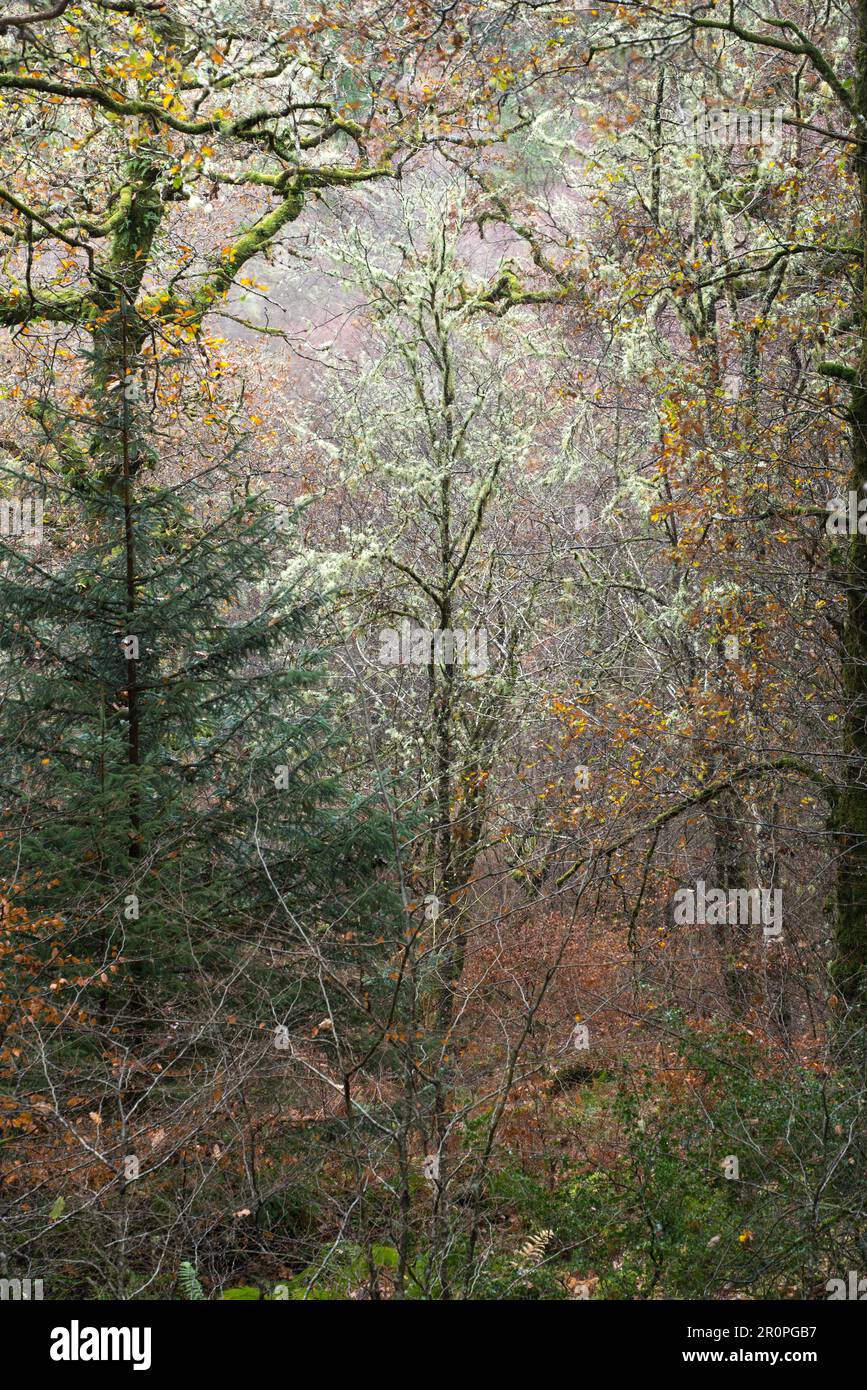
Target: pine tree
(169,766)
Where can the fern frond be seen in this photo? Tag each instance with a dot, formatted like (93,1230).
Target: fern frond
(188,1282)
(531,1252)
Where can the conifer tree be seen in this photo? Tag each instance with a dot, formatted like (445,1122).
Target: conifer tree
(169,767)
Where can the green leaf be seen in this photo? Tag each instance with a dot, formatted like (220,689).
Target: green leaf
(58,1209)
(243,1294)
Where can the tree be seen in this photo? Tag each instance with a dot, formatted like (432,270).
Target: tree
(173,803)
(797,68)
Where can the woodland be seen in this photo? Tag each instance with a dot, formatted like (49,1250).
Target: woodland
(433,649)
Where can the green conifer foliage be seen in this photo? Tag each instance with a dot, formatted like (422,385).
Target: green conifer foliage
(169,762)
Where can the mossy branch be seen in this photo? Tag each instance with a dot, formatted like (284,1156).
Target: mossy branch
(838,371)
(828,788)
